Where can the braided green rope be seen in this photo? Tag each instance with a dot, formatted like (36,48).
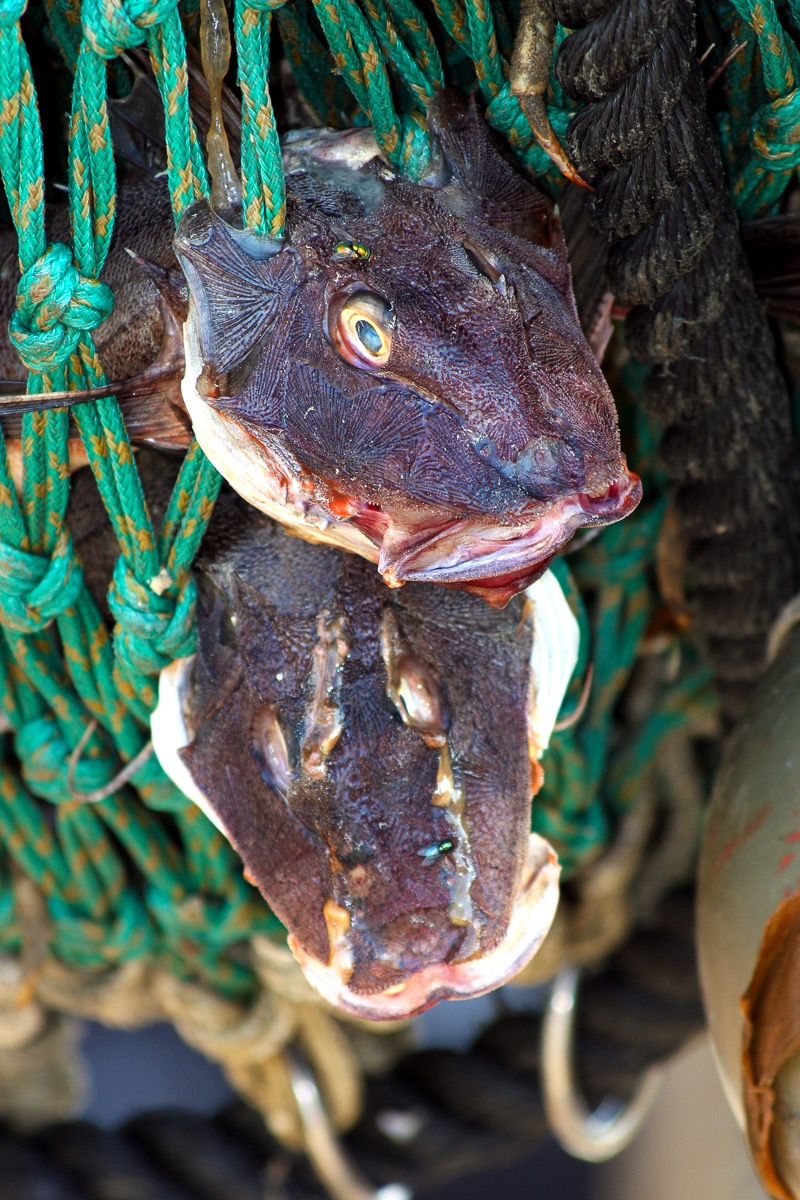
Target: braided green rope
(760,128)
(262,173)
(324,92)
(58,307)
(402,136)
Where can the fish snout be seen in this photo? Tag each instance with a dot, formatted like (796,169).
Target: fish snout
(547,467)
(417,939)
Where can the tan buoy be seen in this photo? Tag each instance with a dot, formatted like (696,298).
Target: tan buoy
(749,923)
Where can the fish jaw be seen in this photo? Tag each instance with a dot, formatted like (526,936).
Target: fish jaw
(497,561)
(480,555)
(532,915)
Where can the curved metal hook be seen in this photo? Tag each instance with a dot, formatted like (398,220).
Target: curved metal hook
(593,1136)
(341,1179)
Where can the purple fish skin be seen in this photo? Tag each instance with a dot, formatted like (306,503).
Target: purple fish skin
(336,731)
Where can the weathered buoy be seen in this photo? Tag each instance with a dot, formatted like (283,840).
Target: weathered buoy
(749,923)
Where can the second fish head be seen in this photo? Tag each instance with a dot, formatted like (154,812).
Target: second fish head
(372,757)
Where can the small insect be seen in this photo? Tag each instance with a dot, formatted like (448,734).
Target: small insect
(344,250)
(431,853)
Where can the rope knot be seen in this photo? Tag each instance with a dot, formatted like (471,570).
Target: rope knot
(775,134)
(35,588)
(55,306)
(11,11)
(152,630)
(113,26)
(46,758)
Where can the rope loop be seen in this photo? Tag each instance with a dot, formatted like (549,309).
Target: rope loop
(46,760)
(266,6)
(775,134)
(35,588)
(11,11)
(505,113)
(56,305)
(152,630)
(113,26)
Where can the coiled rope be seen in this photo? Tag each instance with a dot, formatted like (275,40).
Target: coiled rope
(439,1115)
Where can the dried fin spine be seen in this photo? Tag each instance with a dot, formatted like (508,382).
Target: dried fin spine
(268,744)
(412,688)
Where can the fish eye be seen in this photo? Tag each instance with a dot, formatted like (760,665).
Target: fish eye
(369,336)
(361,329)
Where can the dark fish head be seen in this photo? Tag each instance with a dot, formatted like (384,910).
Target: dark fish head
(372,757)
(405,376)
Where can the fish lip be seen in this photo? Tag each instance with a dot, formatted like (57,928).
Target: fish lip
(531,918)
(471,551)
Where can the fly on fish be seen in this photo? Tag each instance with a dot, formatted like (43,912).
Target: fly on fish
(372,756)
(404,375)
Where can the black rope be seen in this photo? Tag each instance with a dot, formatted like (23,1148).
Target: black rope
(441,1114)
(645,142)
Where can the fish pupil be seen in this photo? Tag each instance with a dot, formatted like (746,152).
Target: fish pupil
(369,337)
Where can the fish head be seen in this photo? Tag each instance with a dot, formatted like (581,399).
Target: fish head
(373,762)
(405,375)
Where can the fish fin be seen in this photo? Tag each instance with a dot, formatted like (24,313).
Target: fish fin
(148,420)
(240,284)
(772,246)
(137,122)
(506,196)
(151,422)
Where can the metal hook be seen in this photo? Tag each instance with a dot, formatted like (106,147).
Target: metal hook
(340,1178)
(593,1136)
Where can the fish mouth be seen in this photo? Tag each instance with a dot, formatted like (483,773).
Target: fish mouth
(497,561)
(531,918)
(492,558)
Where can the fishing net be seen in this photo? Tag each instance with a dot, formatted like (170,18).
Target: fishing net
(109,878)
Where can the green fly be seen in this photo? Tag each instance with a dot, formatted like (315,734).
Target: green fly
(430,854)
(345,250)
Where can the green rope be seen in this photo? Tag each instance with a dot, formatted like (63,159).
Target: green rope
(262,172)
(760,127)
(58,679)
